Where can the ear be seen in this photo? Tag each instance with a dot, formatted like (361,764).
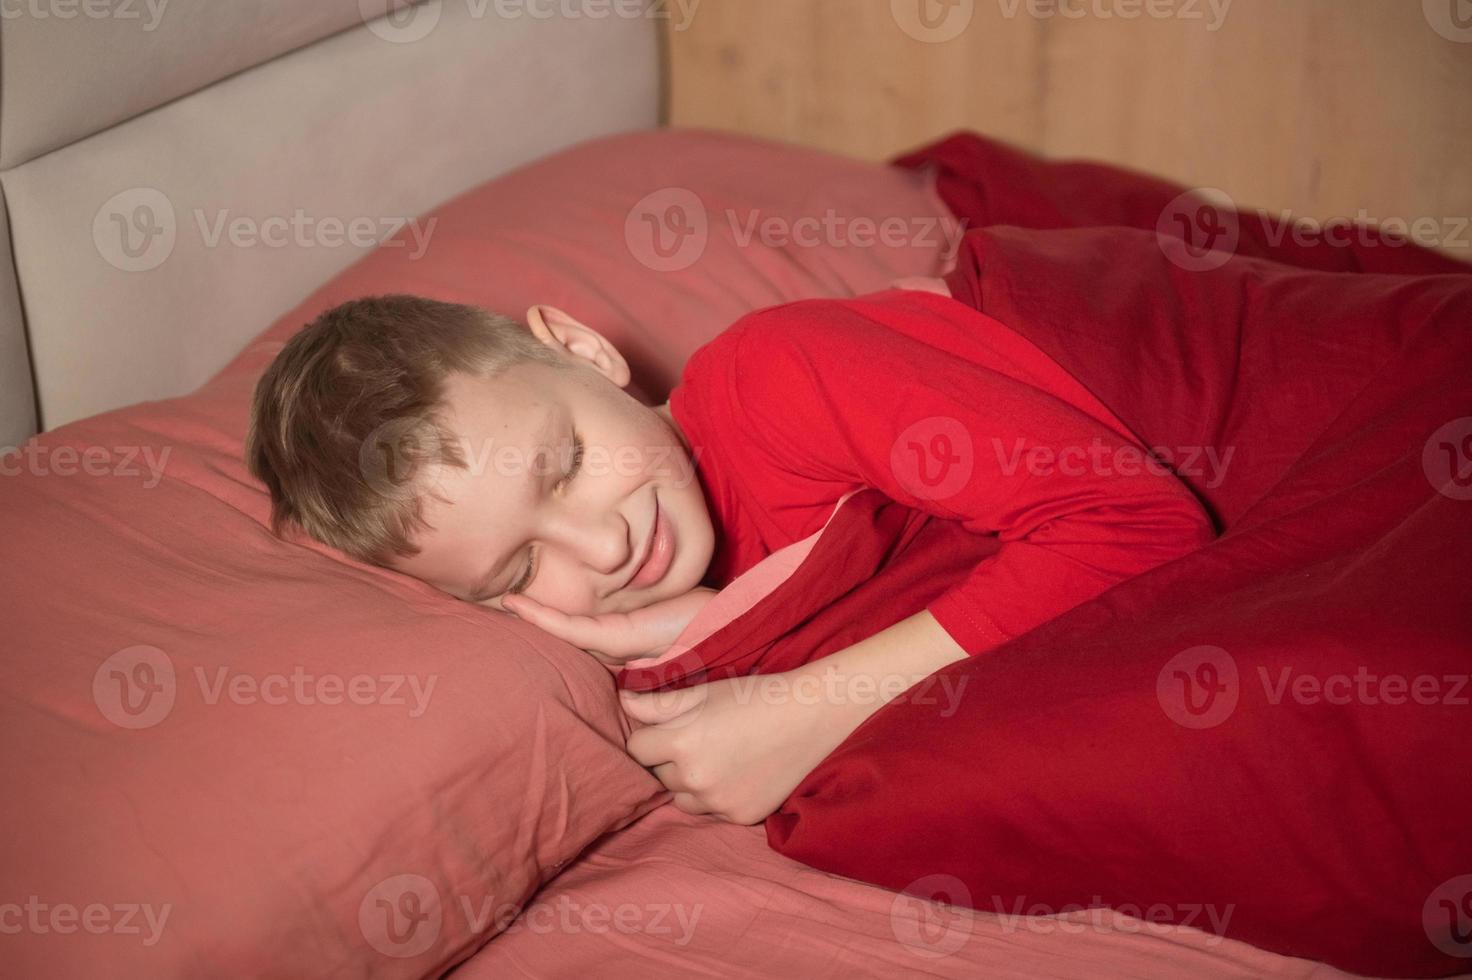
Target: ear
(566,333)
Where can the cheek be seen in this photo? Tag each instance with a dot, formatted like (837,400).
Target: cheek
(564,588)
(697,535)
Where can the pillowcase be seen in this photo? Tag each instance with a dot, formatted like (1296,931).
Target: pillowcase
(660,240)
(231,753)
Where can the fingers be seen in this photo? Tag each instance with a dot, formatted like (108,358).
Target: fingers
(576,630)
(658,707)
(645,633)
(663,747)
(668,773)
(689,804)
(684,798)
(649,747)
(603,636)
(612,663)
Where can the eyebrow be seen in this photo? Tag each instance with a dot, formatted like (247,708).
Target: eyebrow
(483,590)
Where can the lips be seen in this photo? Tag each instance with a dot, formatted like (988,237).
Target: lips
(660,554)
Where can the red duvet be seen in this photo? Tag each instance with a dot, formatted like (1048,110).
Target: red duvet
(1272,729)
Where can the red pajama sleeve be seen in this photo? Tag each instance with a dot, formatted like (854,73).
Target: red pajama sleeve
(946,410)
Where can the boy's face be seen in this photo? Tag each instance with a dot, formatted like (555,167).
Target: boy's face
(586,531)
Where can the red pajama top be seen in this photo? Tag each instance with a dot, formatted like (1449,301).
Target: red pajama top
(943,409)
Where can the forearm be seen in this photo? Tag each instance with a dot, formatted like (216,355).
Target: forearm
(857,681)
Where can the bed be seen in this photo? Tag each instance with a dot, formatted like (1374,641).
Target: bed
(676,895)
(241,755)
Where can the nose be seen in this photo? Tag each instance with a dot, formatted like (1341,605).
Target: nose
(603,543)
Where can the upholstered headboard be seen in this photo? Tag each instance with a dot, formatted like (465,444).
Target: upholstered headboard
(178,173)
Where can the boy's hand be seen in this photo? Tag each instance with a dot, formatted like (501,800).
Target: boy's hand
(734,748)
(616,638)
(738,747)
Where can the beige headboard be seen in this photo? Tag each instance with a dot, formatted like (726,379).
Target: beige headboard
(178,173)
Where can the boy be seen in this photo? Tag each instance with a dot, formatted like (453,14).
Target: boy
(905,390)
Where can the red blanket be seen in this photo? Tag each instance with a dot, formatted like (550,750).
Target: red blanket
(1264,738)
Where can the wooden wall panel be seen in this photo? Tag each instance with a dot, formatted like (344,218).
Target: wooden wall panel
(1325,107)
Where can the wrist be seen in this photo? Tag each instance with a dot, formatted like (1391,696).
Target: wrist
(862,678)
(822,708)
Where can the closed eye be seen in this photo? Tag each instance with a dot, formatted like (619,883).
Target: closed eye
(575,466)
(526,577)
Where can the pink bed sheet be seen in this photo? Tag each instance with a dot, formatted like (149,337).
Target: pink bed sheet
(675,895)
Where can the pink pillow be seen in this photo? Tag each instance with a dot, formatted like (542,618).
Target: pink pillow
(742,224)
(234,754)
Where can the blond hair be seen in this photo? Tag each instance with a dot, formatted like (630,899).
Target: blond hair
(351,409)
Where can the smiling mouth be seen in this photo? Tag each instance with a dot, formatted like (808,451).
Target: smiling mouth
(658,553)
